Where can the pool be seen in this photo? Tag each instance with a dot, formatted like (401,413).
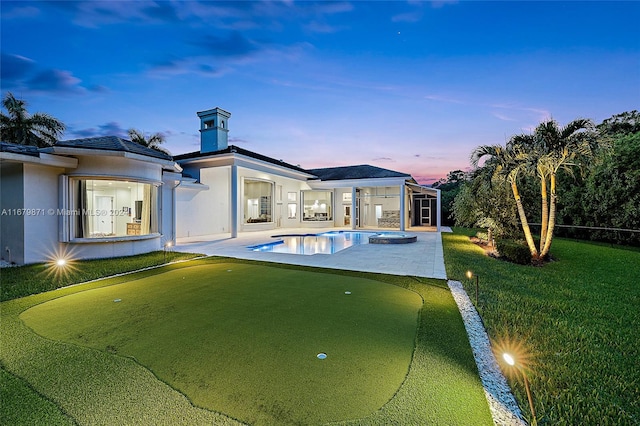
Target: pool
(324,243)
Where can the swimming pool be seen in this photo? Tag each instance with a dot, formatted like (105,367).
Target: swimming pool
(325,243)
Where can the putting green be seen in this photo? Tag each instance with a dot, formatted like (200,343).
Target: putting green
(243,339)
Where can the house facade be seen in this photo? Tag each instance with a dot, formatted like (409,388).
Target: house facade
(107,197)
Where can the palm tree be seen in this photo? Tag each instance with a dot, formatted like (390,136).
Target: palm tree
(154,141)
(561,148)
(19,127)
(532,148)
(506,164)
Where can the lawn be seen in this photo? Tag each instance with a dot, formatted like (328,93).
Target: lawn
(220,340)
(576,317)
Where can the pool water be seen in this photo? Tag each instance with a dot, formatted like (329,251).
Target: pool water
(325,243)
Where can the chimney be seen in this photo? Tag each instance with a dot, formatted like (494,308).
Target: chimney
(214,129)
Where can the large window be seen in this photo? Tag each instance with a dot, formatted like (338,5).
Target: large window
(317,205)
(114,208)
(257,199)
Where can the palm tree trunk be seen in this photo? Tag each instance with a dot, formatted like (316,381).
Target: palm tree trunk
(523,221)
(545,211)
(552,218)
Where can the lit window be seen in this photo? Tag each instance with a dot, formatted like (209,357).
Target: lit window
(258,196)
(292,208)
(317,205)
(113,208)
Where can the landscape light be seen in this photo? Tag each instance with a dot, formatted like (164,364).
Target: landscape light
(166,247)
(470,275)
(509,359)
(61,262)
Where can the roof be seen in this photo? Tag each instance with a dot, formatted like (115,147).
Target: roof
(113,143)
(363,171)
(236,149)
(19,149)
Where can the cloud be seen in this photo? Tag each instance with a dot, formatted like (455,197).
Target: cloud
(19,12)
(53,80)
(238,141)
(14,68)
(233,45)
(22,73)
(322,27)
(407,17)
(383,159)
(111,128)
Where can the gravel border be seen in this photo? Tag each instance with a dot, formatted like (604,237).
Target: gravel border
(503,406)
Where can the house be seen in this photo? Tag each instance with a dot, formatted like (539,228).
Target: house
(106,196)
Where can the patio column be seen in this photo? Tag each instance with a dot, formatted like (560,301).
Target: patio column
(438,210)
(353,207)
(403,203)
(234,202)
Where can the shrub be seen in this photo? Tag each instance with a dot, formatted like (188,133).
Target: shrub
(514,251)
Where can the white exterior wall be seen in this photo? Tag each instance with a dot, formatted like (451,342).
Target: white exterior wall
(205,212)
(12,225)
(41,230)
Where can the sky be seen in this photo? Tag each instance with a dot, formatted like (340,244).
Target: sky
(410,86)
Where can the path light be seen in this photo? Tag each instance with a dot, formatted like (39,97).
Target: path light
(167,246)
(60,264)
(511,361)
(470,275)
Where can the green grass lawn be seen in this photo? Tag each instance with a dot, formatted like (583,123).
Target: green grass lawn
(578,318)
(240,340)
(37,278)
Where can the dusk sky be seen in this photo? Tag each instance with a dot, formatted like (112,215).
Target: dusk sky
(409,86)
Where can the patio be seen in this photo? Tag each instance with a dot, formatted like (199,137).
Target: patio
(423,258)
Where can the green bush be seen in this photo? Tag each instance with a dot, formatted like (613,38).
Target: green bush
(514,251)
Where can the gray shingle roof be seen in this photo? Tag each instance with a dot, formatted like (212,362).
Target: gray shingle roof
(363,171)
(237,149)
(19,149)
(113,143)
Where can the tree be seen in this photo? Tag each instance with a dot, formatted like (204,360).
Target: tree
(449,189)
(506,164)
(19,127)
(154,141)
(560,148)
(483,202)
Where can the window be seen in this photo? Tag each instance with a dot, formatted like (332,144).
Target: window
(257,201)
(209,124)
(113,208)
(317,205)
(292,209)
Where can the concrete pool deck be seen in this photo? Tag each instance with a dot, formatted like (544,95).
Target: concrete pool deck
(423,258)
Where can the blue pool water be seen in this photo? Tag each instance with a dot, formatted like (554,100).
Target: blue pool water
(325,243)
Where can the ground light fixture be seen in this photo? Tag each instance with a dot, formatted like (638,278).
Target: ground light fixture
(511,361)
(167,246)
(61,262)
(470,275)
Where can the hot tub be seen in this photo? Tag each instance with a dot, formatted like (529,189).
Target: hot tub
(390,238)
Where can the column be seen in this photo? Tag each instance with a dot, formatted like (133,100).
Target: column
(403,202)
(233,211)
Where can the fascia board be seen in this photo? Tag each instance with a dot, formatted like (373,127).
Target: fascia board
(43,159)
(236,159)
(359,183)
(109,153)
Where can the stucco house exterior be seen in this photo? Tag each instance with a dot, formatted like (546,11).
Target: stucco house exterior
(107,196)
